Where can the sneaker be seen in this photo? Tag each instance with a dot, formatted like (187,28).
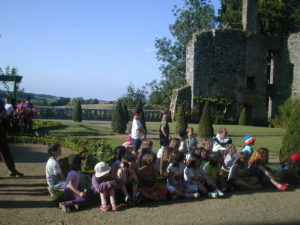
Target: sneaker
(76,207)
(63,207)
(196,195)
(192,195)
(212,194)
(16,174)
(220,193)
(114,207)
(128,199)
(105,208)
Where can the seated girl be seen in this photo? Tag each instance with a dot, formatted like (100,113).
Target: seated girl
(238,175)
(73,197)
(175,182)
(105,184)
(147,174)
(259,172)
(206,150)
(55,179)
(120,151)
(229,158)
(165,161)
(127,175)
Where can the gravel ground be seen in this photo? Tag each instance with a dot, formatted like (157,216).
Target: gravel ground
(25,201)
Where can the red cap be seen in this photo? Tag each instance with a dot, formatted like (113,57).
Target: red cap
(295,157)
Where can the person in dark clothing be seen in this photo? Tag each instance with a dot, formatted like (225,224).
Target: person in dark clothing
(164,129)
(4,148)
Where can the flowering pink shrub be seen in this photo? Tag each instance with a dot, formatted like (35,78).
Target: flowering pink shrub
(25,111)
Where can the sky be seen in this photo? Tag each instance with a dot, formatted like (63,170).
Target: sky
(84,48)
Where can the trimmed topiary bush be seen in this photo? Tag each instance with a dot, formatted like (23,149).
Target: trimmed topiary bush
(77,112)
(243,117)
(181,123)
(205,128)
(291,139)
(125,112)
(118,123)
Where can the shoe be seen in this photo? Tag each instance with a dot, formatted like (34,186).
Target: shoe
(192,195)
(196,195)
(220,193)
(282,187)
(114,207)
(63,207)
(16,174)
(128,200)
(76,207)
(212,194)
(105,208)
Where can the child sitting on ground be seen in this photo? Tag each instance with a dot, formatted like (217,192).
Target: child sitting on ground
(206,150)
(238,176)
(73,197)
(258,170)
(192,146)
(213,168)
(127,175)
(55,179)
(120,151)
(175,182)
(249,142)
(147,174)
(165,161)
(191,136)
(229,159)
(104,184)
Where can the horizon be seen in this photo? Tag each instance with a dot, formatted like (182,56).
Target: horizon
(91,50)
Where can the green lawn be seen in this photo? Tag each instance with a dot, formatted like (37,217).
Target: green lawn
(71,128)
(233,130)
(270,138)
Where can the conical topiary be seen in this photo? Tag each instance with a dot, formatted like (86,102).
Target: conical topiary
(243,117)
(205,128)
(77,112)
(291,139)
(118,123)
(125,112)
(181,123)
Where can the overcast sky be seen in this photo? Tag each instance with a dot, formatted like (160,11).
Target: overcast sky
(84,48)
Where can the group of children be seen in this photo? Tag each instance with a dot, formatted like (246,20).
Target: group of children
(183,168)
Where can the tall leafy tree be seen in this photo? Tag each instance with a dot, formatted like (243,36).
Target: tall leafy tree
(276,18)
(194,15)
(118,122)
(77,112)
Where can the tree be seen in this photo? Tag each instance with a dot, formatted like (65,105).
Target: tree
(118,122)
(276,18)
(291,139)
(230,12)
(77,112)
(181,123)
(243,117)
(133,96)
(205,128)
(125,112)
(10,87)
(194,15)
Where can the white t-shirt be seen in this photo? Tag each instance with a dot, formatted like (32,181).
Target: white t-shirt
(135,134)
(177,172)
(160,152)
(52,170)
(190,174)
(9,109)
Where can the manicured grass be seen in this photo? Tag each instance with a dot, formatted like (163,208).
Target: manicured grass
(233,130)
(71,128)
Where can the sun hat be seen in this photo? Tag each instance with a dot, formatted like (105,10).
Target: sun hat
(127,144)
(295,157)
(101,169)
(249,139)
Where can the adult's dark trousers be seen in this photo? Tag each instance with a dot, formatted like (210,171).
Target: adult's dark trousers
(6,155)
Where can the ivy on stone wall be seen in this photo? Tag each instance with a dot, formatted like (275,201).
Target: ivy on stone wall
(213,100)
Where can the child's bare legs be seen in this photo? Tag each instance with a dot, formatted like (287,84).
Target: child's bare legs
(111,194)
(103,197)
(242,184)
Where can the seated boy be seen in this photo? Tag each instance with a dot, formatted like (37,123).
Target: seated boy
(55,178)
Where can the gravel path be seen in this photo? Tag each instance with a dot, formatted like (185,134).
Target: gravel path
(25,201)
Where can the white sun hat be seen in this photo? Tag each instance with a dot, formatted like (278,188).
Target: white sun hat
(101,169)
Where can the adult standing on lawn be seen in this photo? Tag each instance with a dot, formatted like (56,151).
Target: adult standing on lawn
(4,148)
(137,130)
(164,130)
(221,140)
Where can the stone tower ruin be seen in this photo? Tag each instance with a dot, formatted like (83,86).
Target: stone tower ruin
(242,65)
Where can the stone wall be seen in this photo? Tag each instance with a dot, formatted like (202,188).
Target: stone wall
(229,63)
(294,52)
